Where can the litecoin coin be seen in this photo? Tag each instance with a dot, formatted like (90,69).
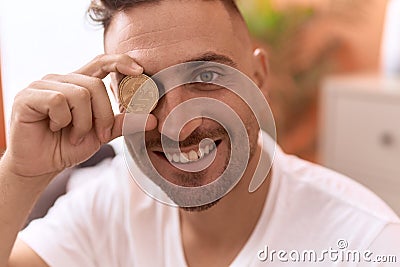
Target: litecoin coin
(138,94)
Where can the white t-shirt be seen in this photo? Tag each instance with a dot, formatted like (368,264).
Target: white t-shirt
(109,222)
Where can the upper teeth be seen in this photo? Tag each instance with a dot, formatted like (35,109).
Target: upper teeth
(191,155)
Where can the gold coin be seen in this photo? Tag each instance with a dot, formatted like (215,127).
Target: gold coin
(138,94)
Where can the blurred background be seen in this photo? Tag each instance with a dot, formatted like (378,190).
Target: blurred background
(307,41)
(333,78)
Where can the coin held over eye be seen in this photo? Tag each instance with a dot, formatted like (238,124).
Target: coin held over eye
(138,94)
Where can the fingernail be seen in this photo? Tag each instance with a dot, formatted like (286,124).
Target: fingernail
(137,68)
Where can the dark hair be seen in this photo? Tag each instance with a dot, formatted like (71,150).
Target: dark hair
(102,11)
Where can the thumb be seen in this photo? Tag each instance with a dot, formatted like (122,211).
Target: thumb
(130,123)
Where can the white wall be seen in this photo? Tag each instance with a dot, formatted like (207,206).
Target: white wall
(391,40)
(40,37)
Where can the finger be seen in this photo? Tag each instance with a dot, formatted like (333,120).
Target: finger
(103,115)
(102,65)
(130,123)
(79,102)
(42,104)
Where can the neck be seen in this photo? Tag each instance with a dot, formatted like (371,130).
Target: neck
(231,221)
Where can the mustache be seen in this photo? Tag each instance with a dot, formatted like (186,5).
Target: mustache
(195,137)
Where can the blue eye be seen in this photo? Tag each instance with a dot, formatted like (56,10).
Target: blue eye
(206,76)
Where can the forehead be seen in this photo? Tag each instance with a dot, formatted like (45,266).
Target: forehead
(171,32)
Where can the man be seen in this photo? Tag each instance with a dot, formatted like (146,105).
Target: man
(63,119)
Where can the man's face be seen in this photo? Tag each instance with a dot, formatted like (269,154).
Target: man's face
(161,35)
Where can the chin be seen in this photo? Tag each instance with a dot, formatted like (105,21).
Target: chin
(201,208)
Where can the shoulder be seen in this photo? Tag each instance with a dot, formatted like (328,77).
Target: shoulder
(97,219)
(327,206)
(107,187)
(318,181)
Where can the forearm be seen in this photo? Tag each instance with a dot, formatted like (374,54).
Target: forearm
(56,122)
(17,196)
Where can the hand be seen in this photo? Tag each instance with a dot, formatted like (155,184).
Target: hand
(62,120)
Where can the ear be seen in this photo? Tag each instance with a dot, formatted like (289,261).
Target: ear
(260,67)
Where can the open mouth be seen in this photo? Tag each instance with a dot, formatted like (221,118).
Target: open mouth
(186,156)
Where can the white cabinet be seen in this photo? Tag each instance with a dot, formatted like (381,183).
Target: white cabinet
(360,132)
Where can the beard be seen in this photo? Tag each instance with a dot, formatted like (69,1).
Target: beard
(200,208)
(183,187)
(186,177)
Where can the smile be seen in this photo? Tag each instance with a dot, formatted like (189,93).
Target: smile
(192,155)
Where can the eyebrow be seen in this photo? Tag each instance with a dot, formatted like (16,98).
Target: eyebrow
(219,58)
(209,57)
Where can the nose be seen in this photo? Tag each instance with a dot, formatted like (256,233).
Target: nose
(174,121)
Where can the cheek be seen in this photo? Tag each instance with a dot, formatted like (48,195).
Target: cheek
(241,108)
(248,119)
